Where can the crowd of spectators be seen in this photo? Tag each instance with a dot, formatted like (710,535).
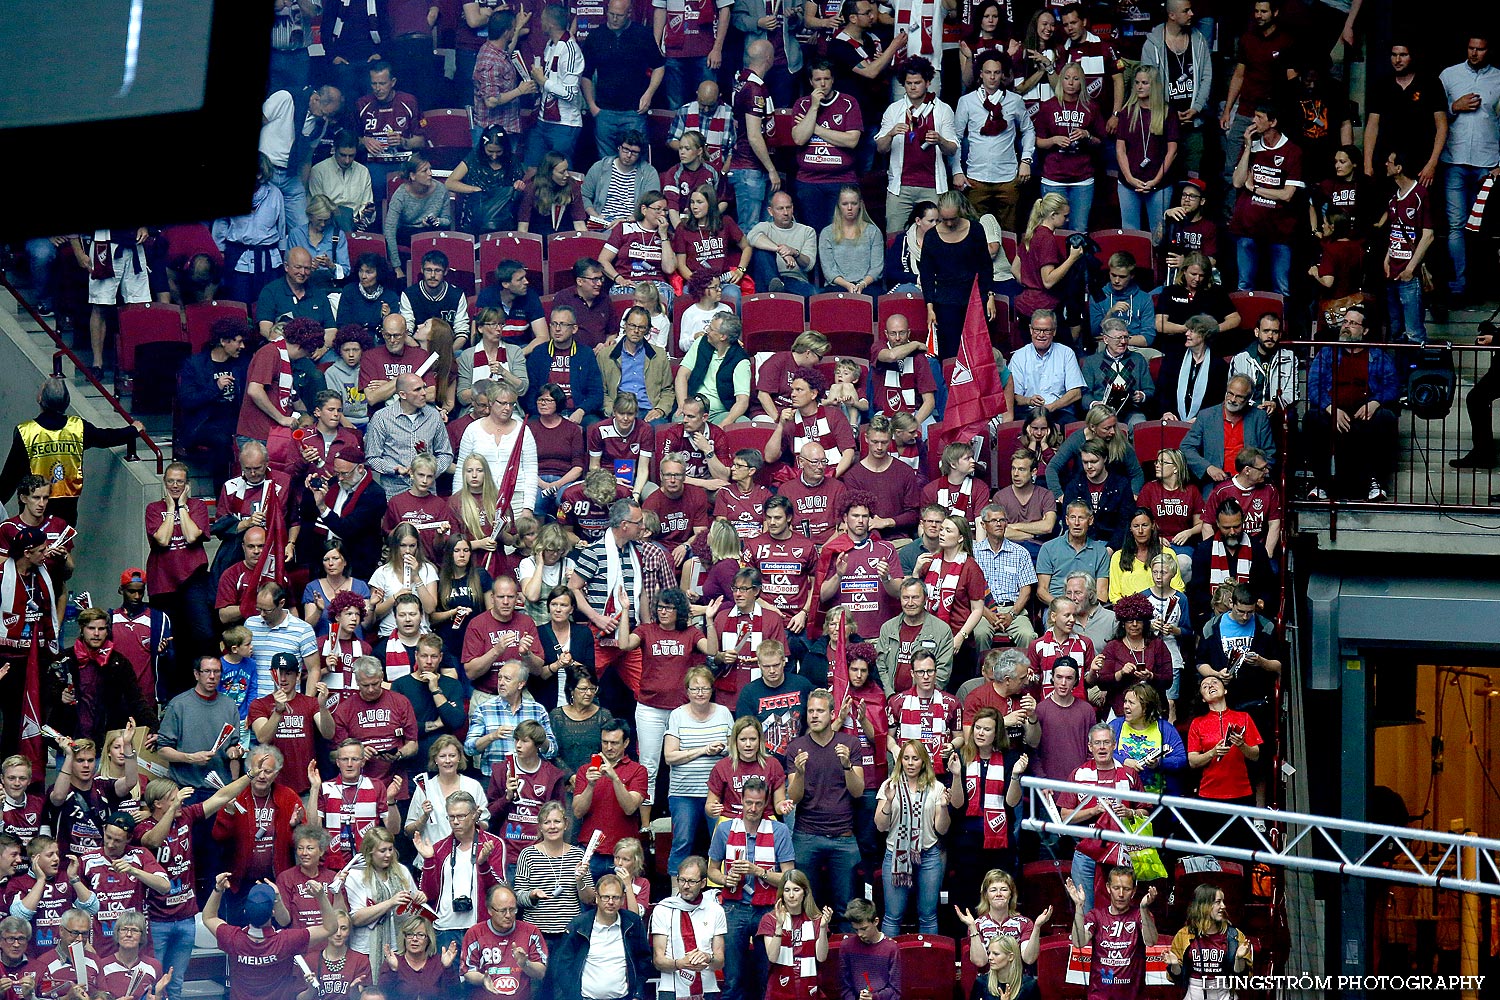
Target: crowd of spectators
(495,660)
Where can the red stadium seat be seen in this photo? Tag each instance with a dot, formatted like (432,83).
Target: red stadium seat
(1152,437)
(201,316)
(829,971)
(772,320)
(908,304)
(148,323)
(565,249)
(1155,366)
(547,304)
(526,248)
(363,243)
(459,247)
(1253,305)
(928,964)
(448,128)
(1136,242)
(1069,428)
(1052,970)
(846,319)
(752,436)
(1003,444)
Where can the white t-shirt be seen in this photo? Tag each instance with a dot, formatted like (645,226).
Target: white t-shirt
(385,580)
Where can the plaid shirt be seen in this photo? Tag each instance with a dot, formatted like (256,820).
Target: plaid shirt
(494,75)
(491,715)
(719,130)
(657,575)
(1006,570)
(394,438)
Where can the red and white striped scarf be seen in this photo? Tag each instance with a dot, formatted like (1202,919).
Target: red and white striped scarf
(341,678)
(911,454)
(957,501)
(901,386)
(817,430)
(917,18)
(281,397)
(942,584)
(1224,569)
(348,813)
(397,659)
(984,786)
(799,954)
(762,893)
(924,719)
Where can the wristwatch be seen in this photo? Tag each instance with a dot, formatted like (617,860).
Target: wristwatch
(1026,160)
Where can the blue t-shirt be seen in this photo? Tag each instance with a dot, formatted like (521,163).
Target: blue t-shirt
(238,682)
(1236,638)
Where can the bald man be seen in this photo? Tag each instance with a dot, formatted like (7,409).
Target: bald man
(397,434)
(396,354)
(815,495)
(291,297)
(709,116)
(239,579)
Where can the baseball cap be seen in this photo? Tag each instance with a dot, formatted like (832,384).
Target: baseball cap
(132,575)
(123,820)
(28,538)
(1196,183)
(259,903)
(351,453)
(285,661)
(1064,661)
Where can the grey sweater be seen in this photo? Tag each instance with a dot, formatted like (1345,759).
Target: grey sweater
(852,260)
(407,209)
(192,723)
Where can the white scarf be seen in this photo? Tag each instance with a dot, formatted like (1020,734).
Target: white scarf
(816,430)
(957,501)
(614,575)
(894,375)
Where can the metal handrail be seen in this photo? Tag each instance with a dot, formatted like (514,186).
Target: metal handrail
(64,351)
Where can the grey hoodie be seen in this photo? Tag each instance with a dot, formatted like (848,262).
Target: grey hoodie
(1155,54)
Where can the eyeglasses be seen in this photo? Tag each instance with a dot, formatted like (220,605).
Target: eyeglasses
(560,325)
(637,521)
(592,277)
(690,881)
(503,909)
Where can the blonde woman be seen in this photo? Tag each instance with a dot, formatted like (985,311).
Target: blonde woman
(321,238)
(416,969)
(998,915)
(376,890)
(1070,128)
(476,504)
(1175,505)
(547,566)
(911,808)
(1006,979)
(504,441)
(1042,267)
(851,250)
(405,571)
(427,812)
(1146,144)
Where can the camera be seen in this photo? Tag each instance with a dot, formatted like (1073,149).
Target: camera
(318,482)
(1082,241)
(463,904)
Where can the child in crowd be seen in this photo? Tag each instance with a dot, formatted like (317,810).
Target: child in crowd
(845,392)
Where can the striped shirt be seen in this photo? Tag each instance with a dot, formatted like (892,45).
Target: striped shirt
(293,636)
(536,870)
(691,778)
(592,566)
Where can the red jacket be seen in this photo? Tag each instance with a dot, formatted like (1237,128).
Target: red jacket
(491,872)
(235,827)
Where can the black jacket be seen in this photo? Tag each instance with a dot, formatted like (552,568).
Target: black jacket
(1112,516)
(572,952)
(208,417)
(1216,371)
(359,527)
(1262,580)
(119,695)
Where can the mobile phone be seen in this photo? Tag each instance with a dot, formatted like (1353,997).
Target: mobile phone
(596,761)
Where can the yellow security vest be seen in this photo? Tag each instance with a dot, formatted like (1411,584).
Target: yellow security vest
(56,456)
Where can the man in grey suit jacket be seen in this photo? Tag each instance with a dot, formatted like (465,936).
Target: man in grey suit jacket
(1203,448)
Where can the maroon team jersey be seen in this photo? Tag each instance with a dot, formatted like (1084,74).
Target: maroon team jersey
(671,655)
(750,98)
(430,515)
(1057,117)
(815,509)
(492,954)
(487,632)
(23,819)
(384,725)
(1098,60)
(258,959)
(620,451)
(715,253)
(746,511)
(175,855)
(293,736)
(1257,216)
(674,441)
(820,161)
(637,252)
(1261,505)
(584,517)
(299,900)
(377,120)
(680,517)
(862,593)
(1409,214)
(787,569)
(1118,969)
(117,893)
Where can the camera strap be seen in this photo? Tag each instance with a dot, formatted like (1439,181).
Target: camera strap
(473,869)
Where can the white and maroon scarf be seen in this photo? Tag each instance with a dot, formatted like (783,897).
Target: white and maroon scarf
(942,584)
(1224,568)
(683,940)
(15,609)
(984,785)
(397,659)
(901,386)
(281,396)
(762,893)
(815,430)
(917,18)
(957,501)
(341,678)
(799,952)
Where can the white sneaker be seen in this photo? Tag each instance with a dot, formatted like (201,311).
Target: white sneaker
(1377,492)
(1259,824)
(1318,493)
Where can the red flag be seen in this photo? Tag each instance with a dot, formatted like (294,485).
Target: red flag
(975,395)
(31,716)
(838,662)
(268,568)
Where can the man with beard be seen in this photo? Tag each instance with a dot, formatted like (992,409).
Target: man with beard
(1350,391)
(687,935)
(1221,432)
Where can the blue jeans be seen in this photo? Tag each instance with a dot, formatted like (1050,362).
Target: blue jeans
(41,255)
(841,854)
(294,200)
(546,504)
(681,78)
(1080,202)
(173,943)
(1404,302)
(927,881)
(1083,877)
(444,937)
(1138,208)
(816,203)
(764,267)
(689,825)
(551,137)
(610,126)
(749,196)
(1249,252)
(1461,186)
(1233,142)
(744,958)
